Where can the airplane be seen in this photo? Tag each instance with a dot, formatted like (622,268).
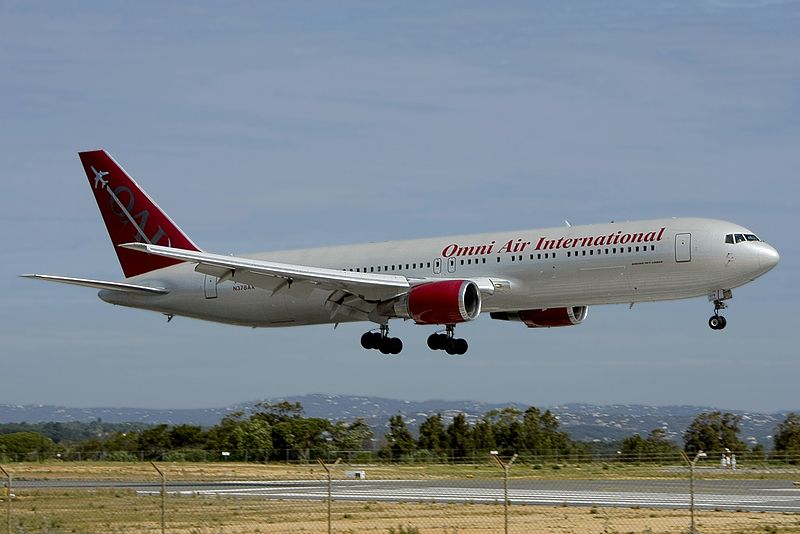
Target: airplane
(541,277)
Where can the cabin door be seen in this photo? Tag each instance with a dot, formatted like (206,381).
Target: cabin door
(683,247)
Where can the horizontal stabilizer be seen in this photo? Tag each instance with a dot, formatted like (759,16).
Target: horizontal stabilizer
(99,284)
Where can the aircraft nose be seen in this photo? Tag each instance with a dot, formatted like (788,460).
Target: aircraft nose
(768,257)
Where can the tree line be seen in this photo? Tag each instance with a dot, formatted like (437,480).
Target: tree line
(281,432)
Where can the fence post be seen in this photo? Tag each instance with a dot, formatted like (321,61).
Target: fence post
(691,463)
(330,490)
(505,467)
(163,498)
(7,496)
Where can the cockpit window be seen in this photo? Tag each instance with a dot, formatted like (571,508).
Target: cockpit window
(740,238)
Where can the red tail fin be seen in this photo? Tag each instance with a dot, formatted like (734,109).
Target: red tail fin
(131,215)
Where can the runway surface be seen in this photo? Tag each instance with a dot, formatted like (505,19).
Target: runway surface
(749,495)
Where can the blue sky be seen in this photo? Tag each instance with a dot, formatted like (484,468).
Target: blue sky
(273,125)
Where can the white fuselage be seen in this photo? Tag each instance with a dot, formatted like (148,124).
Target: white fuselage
(627,262)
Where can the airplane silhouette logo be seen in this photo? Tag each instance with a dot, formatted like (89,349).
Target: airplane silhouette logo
(98,178)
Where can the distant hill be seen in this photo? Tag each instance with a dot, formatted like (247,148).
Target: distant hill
(584,422)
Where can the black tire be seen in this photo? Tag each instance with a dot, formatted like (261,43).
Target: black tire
(714,322)
(437,341)
(461,345)
(371,340)
(366,341)
(722,322)
(450,348)
(385,345)
(396,345)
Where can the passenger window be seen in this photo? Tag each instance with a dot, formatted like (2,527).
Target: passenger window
(372,269)
(498,259)
(429,265)
(531,256)
(512,258)
(569,254)
(637,248)
(462,262)
(591,252)
(379,268)
(484,260)
(539,257)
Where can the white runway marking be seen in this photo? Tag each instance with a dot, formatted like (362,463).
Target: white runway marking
(403,492)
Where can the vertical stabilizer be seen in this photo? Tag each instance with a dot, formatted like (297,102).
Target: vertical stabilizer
(131,215)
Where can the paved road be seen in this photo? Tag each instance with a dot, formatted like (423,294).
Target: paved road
(750,495)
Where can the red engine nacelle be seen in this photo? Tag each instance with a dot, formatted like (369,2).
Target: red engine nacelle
(445,302)
(545,318)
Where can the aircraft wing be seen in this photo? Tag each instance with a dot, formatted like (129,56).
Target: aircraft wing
(260,273)
(99,284)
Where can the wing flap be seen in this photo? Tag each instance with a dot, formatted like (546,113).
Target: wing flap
(99,284)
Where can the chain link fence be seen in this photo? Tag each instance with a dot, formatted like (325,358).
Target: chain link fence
(605,495)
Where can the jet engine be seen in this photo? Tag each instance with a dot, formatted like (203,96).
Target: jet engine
(445,302)
(546,317)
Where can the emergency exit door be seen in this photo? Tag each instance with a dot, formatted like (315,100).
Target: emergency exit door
(683,247)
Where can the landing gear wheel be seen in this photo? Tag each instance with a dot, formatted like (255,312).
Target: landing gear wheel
(448,342)
(370,340)
(391,345)
(437,341)
(456,346)
(717,322)
(381,341)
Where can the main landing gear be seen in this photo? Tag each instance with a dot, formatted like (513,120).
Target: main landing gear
(381,341)
(391,345)
(448,343)
(717,321)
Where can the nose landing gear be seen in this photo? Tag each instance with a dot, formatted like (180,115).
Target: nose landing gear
(381,341)
(717,321)
(447,342)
